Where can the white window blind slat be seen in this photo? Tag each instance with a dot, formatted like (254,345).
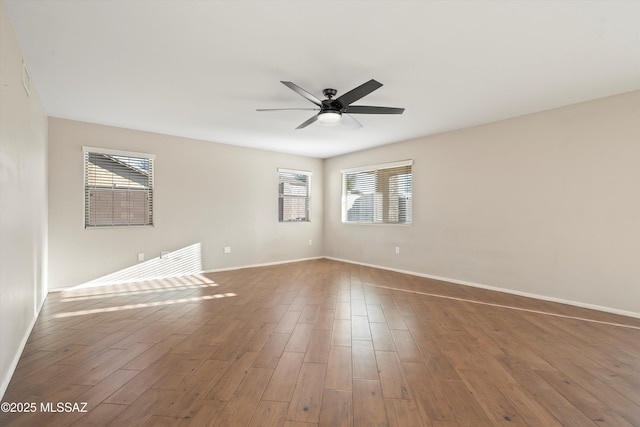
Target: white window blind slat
(380,194)
(293,195)
(118,189)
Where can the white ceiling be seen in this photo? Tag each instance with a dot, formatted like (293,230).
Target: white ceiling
(199,69)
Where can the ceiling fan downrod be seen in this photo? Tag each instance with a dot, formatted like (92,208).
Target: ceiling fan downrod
(329,93)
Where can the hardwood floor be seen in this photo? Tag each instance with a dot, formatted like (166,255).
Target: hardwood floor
(324,343)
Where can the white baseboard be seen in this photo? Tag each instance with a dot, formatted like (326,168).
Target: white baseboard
(266,264)
(16,358)
(494,288)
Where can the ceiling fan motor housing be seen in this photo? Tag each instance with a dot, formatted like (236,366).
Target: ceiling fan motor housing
(331,106)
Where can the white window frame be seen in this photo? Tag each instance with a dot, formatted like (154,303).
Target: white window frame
(150,188)
(306,198)
(381,218)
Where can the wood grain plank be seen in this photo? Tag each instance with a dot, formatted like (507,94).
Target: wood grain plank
(381,336)
(339,369)
(360,328)
(269,414)
(309,313)
(102,414)
(324,320)
(375,313)
(202,412)
(283,381)
(307,397)
(228,377)
(341,333)
(402,413)
(343,310)
(244,401)
(408,351)
(270,354)
(364,360)
(288,322)
(193,386)
(299,338)
(142,408)
(392,381)
(336,409)
(368,404)
(318,347)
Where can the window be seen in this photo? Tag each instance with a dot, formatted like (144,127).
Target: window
(118,188)
(379,194)
(293,195)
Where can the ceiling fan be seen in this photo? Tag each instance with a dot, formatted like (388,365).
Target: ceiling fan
(333,111)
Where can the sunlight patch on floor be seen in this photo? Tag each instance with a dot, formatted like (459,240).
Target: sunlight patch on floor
(142,305)
(151,290)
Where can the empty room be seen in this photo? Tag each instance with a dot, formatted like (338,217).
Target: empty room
(319,213)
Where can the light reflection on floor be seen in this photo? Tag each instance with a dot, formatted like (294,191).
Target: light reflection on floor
(564,316)
(142,305)
(136,288)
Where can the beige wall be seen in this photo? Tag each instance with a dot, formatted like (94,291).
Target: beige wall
(546,204)
(210,194)
(23,203)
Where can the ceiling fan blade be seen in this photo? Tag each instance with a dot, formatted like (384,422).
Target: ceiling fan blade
(288,109)
(365,109)
(359,92)
(350,121)
(297,89)
(308,122)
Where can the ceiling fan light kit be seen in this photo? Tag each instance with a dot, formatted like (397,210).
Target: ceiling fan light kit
(336,111)
(329,118)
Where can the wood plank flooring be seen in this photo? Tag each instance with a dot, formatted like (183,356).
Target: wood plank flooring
(324,343)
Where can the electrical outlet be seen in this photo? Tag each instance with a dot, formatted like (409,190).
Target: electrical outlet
(141,257)
(227,249)
(310,242)
(397,249)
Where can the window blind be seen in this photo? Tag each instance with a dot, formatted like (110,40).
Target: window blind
(118,188)
(293,195)
(378,194)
